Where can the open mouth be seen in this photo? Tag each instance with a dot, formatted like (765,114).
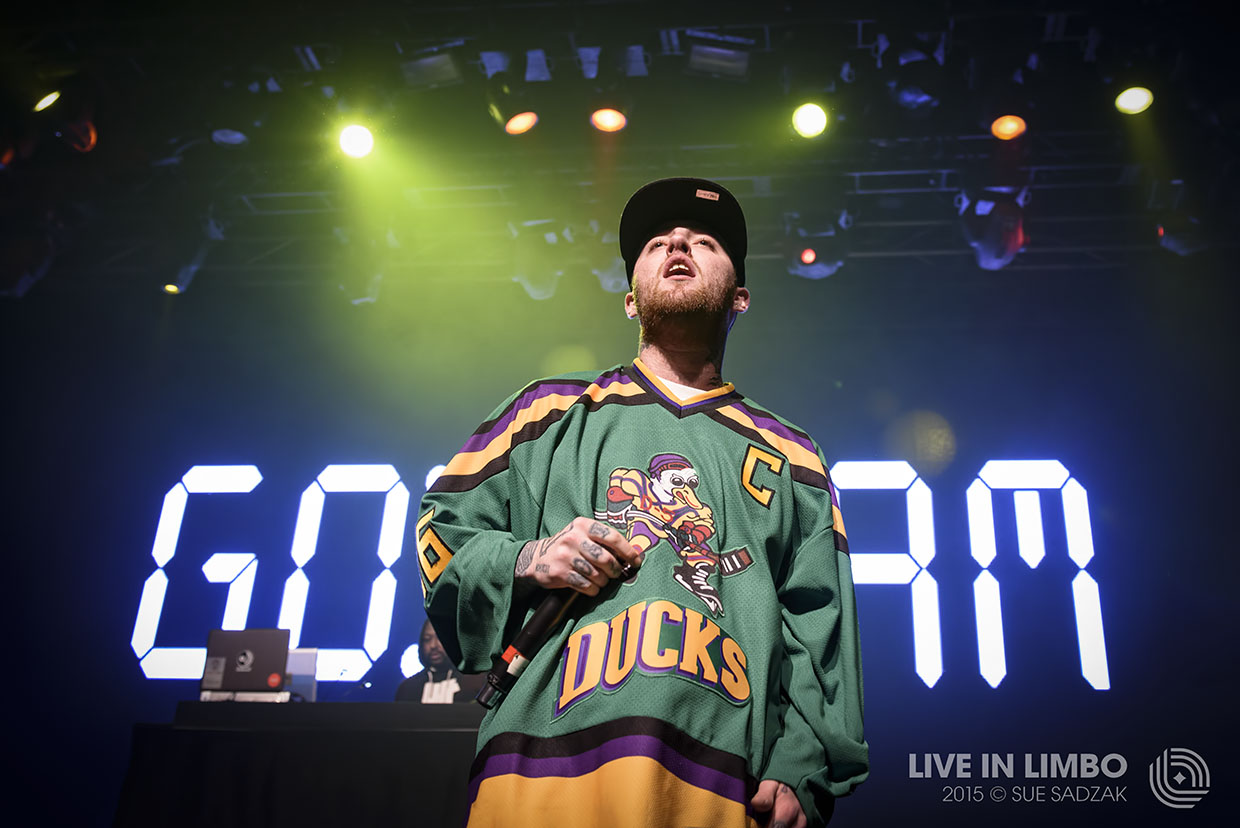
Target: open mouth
(678,270)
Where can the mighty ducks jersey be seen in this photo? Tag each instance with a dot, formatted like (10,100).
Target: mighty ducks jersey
(730,657)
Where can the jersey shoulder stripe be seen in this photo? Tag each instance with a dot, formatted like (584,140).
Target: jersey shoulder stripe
(760,425)
(531,412)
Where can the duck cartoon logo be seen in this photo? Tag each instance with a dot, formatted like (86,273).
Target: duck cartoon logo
(661,503)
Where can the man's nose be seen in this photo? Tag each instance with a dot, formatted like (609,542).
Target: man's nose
(678,240)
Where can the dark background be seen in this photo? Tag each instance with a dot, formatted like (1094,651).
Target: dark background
(1096,346)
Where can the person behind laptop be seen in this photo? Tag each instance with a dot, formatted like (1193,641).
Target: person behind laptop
(439,682)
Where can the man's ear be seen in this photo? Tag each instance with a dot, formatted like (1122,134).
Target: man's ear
(630,305)
(740,300)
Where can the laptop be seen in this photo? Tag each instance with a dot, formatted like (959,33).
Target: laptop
(245,665)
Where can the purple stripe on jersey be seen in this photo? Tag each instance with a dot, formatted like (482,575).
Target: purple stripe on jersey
(776,427)
(481,441)
(676,401)
(659,392)
(581,764)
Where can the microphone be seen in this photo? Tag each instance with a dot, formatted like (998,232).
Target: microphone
(512,662)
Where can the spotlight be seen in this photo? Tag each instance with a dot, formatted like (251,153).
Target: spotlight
(1007,127)
(521,123)
(506,101)
(994,226)
(185,276)
(1182,235)
(46,101)
(818,252)
(1134,100)
(809,120)
(356,141)
(608,119)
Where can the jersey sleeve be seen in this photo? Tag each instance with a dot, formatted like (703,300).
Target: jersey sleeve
(471,525)
(821,750)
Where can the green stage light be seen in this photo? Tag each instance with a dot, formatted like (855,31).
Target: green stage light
(809,120)
(1133,100)
(356,141)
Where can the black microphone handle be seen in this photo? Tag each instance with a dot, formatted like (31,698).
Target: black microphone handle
(511,664)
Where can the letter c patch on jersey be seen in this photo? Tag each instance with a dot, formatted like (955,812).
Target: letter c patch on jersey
(754,456)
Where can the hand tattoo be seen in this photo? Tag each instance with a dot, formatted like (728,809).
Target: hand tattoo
(545,543)
(524,558)
(576,580)
(599,555)
(582,566)
(542,567)
(598,530)
(536,546)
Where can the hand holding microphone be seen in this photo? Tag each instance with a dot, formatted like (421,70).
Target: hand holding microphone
(584,556)
(579,559)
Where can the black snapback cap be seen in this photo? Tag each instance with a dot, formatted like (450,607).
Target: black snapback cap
(683,199)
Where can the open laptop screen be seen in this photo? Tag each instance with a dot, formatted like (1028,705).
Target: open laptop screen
(246,660)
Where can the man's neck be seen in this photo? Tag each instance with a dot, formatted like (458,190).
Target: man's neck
(688,360)
(439,672)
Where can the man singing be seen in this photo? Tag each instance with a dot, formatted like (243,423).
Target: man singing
(719,685)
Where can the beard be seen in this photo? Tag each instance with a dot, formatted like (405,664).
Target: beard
(687,301)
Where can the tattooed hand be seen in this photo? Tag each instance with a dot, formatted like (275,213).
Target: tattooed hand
(777,806)
(584,555)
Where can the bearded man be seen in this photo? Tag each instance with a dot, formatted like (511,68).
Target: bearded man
(710,672)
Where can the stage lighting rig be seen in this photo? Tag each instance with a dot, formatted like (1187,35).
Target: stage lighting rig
(507,95)
(601,253)
(1006,94)
(993,225)
(1182,235)
(713,55)
(508,105)
(536,256)
(819,251)
(608,101)
(914,71)
(433,67)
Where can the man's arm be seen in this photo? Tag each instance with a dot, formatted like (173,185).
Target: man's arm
(481,552)
(821,752)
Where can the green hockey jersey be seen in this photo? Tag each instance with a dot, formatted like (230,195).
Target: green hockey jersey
(730,657)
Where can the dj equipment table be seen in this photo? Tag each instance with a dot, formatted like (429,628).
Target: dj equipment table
(226,764)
